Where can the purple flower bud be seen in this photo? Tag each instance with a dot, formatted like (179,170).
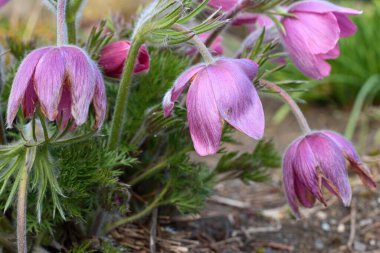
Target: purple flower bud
(112,58)
(313,33)
(222,91)
(62,81)
(316,160)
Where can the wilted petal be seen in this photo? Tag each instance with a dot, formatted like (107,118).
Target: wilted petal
(21,81)
(203,117)
(317,6)
(352,156)
(236,97)
(100,100)
(80,72)
(332,164)
(48,81)
(179,85)
(289,177)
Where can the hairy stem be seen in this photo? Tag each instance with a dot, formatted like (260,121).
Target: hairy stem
(203,50)
(155,203)
(302,122)
(21,212)
(118,118)
(61,23)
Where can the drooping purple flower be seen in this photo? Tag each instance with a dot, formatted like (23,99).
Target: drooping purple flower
(216,48)
(319,160)
(63,82)
(222,91)
(312,34)
(113,56)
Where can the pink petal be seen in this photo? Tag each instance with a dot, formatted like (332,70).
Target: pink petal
(179,85)
(313,33)
(21,81)
(332,54)
(249,67)
(236,97)
(318,6)
(332,163)
(352,156)
(100,100)
(346,26)
(143,61)
(305,197)
(289,177)
(3,2)
(30,100)
(225,5)
(64,107)
(203,117)
(244,19)
(48,81)
(80,73)
(112,57)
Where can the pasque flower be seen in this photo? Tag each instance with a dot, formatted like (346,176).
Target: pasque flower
(216,47)
(318,160)
(312,34)
(221,91)
(62,81)
(113,56)
(3,2)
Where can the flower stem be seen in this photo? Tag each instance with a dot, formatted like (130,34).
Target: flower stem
(148,173)
(154,204)
(203,50)
(21,211)
(61,23)
(118,118)
(302,122)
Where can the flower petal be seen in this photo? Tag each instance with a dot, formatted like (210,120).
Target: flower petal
(236,97)
(305,197)
(48,81)
(225,5)
(179,85)
(352,156)
(143,61)
(318,6)
(332,164)
(289,177)
(21,82)
(80,73)
(346,26)
(202,113)
(314,33)
(100,100)
(64,107)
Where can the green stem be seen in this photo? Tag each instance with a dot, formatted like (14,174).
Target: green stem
(141,214)
(302,122)
(71,32)
(149,172)
(122,96)
(21,211)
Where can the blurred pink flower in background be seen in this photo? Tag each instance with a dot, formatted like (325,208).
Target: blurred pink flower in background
(319,159)
(222,91)
(216,48)
(112,58)
(312,35)
(3,2)
(63,82)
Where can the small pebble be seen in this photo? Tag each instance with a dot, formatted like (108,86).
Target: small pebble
(325,226)
(358,246)
(365,222)
(322,215)
(341,228)
(319,245)
(372,242)
(333,221)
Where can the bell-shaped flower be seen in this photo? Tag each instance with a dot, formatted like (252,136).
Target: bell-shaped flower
(61,81)
(313,32)
(222,91)
(112,58)
(318,160)
(216,48)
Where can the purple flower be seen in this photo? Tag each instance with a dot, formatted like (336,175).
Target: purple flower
(222,91)
(313,33)
(319,159)
(62,82)
(112,58)
(216,47)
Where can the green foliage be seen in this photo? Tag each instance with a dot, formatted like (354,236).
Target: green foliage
(249,166)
